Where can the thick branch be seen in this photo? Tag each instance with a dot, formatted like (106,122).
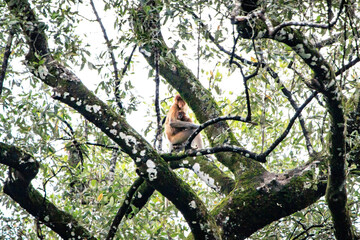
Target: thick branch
(208,172)
(23,169)
(324,77)
(184,81)
(258,64)
(142,196)
(225,148)
(276,196)
(69,90)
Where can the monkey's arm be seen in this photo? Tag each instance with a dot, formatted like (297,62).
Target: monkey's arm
(182,124)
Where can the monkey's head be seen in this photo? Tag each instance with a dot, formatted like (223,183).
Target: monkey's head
(179,101)
(181,115)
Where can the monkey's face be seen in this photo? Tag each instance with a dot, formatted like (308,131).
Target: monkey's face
(181,115)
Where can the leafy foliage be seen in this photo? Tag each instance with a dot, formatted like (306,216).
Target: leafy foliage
(86,173)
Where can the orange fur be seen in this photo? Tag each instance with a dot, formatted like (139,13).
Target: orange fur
(178,126)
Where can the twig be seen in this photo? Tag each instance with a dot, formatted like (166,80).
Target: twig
(309,24)
(347,66)
(233,49)
(288,95)
(245,78)
(328,41)
(227,148)
(263,118)
(38,230)
(306,230)
(291,123)
(198,45)
(211,122)
(158,137)
(6,59)
(212,38)
(273,74)
(247,95)
(343,54)
(103,145)
(117,82)
(354,29)
(322,129)
(112,55)
(330,13)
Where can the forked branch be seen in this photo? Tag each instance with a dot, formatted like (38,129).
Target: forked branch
(257,157)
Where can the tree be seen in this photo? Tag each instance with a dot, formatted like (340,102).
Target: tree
(282,158)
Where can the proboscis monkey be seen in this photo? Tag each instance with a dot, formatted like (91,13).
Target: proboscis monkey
(178,126)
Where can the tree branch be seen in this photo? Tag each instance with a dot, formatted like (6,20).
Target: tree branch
(298,184)
(290,98)
(69,89)
(309,24)
(124,207)
(142,196)
(207,171)
(112,55)
(272,73)
(211,122)
(112,167)
(257,157)
(103,145)
(347,66)
(158,137)
(117,82)
(324,77)
(291,123)
(207,151)
(328,41)
(6,60)
(23,168)
(245,78)
(184,81)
